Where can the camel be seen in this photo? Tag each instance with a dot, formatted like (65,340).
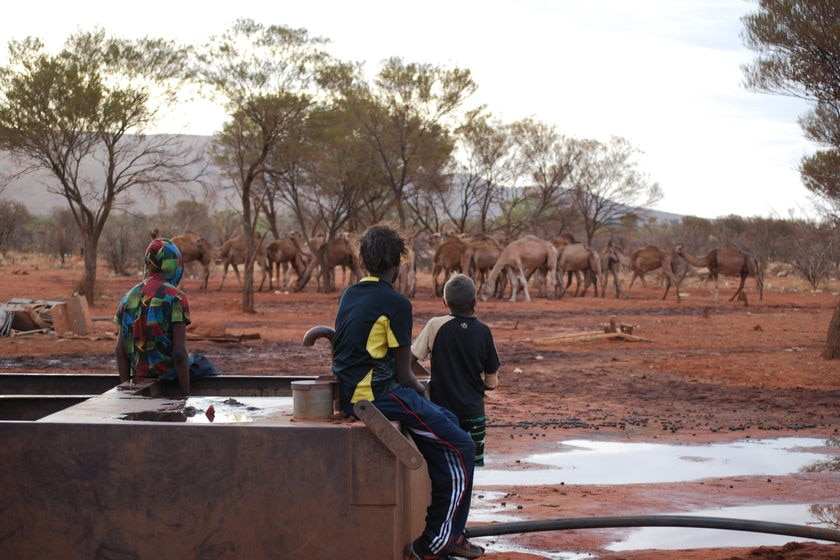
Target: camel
(644,260)
(342,252)
(453,255)
(578,257)
(729,261)
(281,254)
(407,279)
(523,256)
(611,262)
(194,248)
(232,253)
(561,242)
(484,252)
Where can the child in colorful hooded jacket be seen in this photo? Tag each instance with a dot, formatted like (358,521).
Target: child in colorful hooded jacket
(153,318)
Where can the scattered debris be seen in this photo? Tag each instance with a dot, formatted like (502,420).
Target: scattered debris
(613,330)
(613,327)
(30,316)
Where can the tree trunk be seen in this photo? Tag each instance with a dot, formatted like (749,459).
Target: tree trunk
(248,288)
(832,342)
(89,281)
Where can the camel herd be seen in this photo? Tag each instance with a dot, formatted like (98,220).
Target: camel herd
(529,263)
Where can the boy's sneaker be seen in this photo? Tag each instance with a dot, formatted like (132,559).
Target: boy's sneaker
(465,549)
(418,549)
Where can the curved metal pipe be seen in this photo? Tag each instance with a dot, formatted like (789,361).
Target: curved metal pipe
(787,529)
(321,331)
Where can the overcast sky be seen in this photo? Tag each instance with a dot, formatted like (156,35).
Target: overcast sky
(664,74)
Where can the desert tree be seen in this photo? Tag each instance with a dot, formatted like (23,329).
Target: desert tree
(82,115)
(483,167)
(541,168)
(407,115)
(62,235)
(815,251)
(13,219)
(797,46)
(123,246)
(340,180)
(605,184)
(265,76)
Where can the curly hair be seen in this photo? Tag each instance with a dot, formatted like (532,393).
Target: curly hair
(381,248)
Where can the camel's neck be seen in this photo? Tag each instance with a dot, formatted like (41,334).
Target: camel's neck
(696,261)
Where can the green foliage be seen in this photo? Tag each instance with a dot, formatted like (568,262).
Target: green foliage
(265,76)
(798,48)
(86,108)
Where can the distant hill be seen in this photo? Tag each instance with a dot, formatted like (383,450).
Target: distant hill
(33,190)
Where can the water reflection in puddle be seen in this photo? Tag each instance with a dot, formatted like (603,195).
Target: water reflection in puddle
(676,538)
(216,410)
(607,463)
(612,463)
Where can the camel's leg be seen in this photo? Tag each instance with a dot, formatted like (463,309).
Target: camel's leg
(589,278)
(238,277)
(670,279)
(514,285)
(224,275)
(644,285)
(435,273)
(524,284)
(266,271)
(287,275)
(617,285)
(740,288)
(205,277)
(717,290)
(633,278)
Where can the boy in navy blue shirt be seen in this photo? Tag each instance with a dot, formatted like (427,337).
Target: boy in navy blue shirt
(372,360)
(464,361)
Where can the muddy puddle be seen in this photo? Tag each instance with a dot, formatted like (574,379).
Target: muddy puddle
(216,410)
(678,538)
(594,462)
(583,462)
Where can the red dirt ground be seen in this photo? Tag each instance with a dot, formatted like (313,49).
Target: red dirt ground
(708,372)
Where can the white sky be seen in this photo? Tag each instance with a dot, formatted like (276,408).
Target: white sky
(664,74)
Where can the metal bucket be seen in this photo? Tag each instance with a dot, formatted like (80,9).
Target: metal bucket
(312,399)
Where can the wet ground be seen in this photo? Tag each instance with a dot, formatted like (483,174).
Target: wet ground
(704,389)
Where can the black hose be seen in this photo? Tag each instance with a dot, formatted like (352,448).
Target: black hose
(787,529)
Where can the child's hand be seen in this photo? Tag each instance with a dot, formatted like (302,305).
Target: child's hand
(425,385)
(491,381)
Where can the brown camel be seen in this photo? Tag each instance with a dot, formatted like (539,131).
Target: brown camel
(611,262)
(194,248)
(407,280)
(453,255)
(485,251)
(580,258)
(523,257)
(729,261)
(232,253)
(561,242)
(281,254)
(341,251)
(644,260)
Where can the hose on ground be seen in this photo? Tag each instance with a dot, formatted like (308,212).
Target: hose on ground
(787,529)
